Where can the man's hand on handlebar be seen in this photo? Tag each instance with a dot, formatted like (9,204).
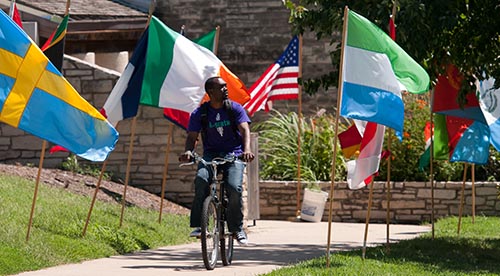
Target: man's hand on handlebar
(186,156)
(247,156)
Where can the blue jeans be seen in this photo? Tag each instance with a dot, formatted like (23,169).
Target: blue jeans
(232,175)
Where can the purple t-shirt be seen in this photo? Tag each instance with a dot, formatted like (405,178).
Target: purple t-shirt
(220,134)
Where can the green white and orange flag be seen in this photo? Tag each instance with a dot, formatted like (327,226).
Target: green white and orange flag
(179,117)
(176,70)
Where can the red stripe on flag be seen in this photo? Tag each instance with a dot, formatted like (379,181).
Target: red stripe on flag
(283,97)
(258,89)
(286,86)
(288,75)
(281,75)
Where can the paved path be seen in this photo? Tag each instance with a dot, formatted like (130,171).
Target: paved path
(272,244)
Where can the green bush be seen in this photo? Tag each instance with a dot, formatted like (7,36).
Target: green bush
(278,147)
(71,164)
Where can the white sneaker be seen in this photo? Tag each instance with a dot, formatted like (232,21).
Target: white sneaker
(196,233)
(241,237)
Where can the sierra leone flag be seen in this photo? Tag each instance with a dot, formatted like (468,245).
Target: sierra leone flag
(375,71)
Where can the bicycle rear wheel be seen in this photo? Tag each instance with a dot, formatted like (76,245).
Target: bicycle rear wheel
(209,233)
(226,244)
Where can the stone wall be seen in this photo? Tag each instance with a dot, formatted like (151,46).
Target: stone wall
(411,202)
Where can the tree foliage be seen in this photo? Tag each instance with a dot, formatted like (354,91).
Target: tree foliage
(435,33)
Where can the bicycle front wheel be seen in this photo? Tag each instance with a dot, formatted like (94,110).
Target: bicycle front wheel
(226,244)
(209,233)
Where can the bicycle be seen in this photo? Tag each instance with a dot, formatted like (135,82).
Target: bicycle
(214,229)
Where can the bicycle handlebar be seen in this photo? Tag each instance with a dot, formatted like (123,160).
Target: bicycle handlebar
(215,161)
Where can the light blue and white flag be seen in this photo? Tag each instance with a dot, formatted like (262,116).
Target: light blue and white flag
(488,101)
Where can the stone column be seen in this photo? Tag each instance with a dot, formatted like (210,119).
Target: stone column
(88,57)
(114,61)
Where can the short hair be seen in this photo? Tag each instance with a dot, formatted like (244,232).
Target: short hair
(211,83)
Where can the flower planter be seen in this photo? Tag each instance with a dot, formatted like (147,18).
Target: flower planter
(313,205)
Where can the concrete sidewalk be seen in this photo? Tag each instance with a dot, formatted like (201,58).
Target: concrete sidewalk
(272,244)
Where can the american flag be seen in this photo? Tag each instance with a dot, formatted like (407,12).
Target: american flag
(279,82)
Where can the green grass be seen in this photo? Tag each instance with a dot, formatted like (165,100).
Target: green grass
(475,252)
(59,218)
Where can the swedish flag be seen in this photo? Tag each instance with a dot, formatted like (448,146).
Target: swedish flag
(35,97)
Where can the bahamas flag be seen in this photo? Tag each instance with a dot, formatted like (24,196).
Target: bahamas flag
(375,71)
(36,98)
(179,117)
(176,70)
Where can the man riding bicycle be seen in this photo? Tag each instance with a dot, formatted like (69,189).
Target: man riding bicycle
(224,126)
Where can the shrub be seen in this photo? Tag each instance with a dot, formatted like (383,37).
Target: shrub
(71,164)
(278,147)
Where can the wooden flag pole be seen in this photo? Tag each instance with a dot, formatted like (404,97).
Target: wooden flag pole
(388,196)
(165,168)
(151,9)
(152,6)
(389,144)
(461,206)
(68,3)
(217,34)
(367,220)
(337,115)
(35,194)
(42,157)
(473,176)
(299,133)
(431,163)
(11,8)
(98,186)
(127,172)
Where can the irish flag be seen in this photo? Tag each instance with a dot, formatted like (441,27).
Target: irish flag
(179,117)
(176,70)
(375,71)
